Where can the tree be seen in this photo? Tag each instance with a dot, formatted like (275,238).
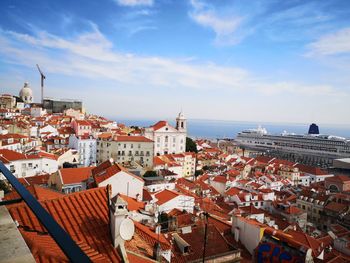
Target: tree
(150,174)
(191,146)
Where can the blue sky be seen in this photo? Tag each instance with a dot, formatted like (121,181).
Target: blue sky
(256,60)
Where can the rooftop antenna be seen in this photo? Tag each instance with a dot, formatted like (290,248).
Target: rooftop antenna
(42,84)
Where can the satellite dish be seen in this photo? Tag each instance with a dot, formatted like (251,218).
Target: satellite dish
(127,229)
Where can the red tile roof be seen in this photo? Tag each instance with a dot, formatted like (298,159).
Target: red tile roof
(165,196)
(220,179)
(159,125)
(310,169)
(107,169)
(36,179)
(84,215)
(75,175)
(7,156)
(336,207)
(39,192)
(132,139)
(217,244)
(133,204)
(146,196)
(83,122)
(338,178)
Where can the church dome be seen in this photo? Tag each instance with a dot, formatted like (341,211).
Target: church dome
(26,93)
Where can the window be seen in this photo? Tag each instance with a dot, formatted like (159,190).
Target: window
(124,145)
(12,168)
(139,145)
(174,139)
(158,139)
(166,138)
(132,146)
(30,165)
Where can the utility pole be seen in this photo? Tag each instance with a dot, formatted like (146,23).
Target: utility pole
(42,76)
(205,234)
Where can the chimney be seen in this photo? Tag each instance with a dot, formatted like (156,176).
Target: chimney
(122,228)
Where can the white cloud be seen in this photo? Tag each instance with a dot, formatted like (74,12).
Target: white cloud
(224,27)
(92,58)
(331,44)
(135,2)
(92,55)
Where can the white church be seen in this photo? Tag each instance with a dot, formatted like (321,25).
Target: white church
(168,139)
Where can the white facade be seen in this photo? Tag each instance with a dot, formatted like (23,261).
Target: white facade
(167,139)
(248,233)
(86,148)
(126,184)
(71,156)
(125,149)
(31,167)
(155,187)
(48,129)
(181,202)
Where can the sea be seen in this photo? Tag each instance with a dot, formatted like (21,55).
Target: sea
(218,129)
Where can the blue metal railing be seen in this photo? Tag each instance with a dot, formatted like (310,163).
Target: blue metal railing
(63,240)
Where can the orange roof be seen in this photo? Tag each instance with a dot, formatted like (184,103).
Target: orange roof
(83,122)
(106,170)
(159,125)
(220,179)
(338,178)
(39,192)
(85,217)
(233,191)
(132,139)
(7,156)
(293,210)
(133,204)
(165,196)
(75,175)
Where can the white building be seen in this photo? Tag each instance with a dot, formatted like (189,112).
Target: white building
(23,165)
(168,139)
(122,181)
(86,147)
(125,149)
(167,200)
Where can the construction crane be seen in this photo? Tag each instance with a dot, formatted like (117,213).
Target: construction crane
(42,84)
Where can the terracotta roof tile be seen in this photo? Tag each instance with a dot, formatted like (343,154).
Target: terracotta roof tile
(132,139)
(75,175)
(165,196)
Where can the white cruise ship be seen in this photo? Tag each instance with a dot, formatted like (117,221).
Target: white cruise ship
(318,147)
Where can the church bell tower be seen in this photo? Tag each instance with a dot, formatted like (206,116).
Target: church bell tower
(181,122)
